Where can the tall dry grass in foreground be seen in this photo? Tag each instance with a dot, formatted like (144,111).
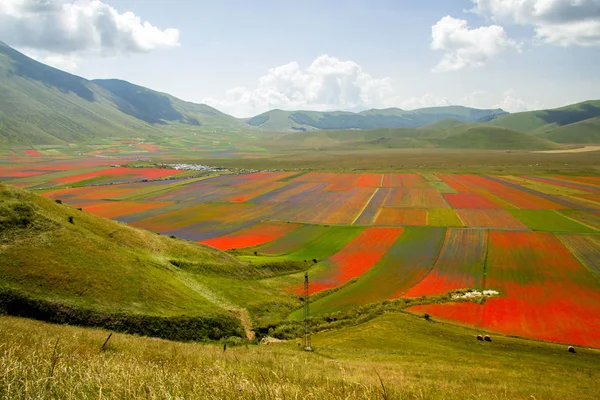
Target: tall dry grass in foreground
(44,361)
(40,360)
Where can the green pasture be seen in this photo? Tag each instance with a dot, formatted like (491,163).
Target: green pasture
(323,246)
(549,221)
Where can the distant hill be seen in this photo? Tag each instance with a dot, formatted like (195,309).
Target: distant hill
(279,120)
(583,132)
(546,120)
(158,108)
(465,136)
(40,104)
(491,137)
(444,124)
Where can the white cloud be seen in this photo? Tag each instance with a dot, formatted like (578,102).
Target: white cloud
(467,47)
(327,84)
(66,28)
(559,22)
(66,62)
(427,100)
(511,101)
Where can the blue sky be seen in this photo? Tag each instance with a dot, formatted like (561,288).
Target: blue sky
(247,57)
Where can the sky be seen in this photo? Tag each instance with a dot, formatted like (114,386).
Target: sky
(247,57)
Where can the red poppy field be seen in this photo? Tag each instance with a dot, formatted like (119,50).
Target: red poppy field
(535,240)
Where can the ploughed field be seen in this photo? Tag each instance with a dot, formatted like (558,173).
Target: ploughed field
(370,237)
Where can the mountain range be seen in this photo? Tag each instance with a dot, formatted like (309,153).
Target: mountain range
(42,105)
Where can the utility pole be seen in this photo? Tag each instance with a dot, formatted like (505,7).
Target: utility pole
(307,338)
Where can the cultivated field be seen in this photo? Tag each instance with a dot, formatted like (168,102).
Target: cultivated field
(370,237)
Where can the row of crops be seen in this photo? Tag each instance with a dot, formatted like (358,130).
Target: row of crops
(534,240)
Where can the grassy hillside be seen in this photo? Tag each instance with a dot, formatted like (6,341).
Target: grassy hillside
(55,257)
(396,356)
(459,136)
(584,132)
(545,120)
(490,137)
(40,104)
(370,119)
(157,108)
(444,124)
(43,105)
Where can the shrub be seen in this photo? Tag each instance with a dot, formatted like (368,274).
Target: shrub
(57,201)
(181,328)
(71,219)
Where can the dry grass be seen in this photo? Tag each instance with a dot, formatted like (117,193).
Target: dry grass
(40,361)
(144,368)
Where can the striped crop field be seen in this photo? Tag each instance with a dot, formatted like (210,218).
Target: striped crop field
(112,175)
(586,249)
(405,264)
(372,208)
(519,198)
(469,200)
(295,240)
(546,293)
(369,236)
(115,209)
(355,258)
(254,235)
(402,216)
(499,219)
(327,242)
(583,217)
(415,198)
(459,266)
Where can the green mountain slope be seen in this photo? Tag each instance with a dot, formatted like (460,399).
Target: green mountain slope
(101,272)
(158,108)
(279,120)
(583,132)
(545,120)
(43,105)
(491,137)
(444,124)
(463,136)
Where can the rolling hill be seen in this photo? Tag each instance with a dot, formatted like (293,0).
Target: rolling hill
(455,136)
(544,121)
(279,120)
(43,105)
(69,266)
(582,132)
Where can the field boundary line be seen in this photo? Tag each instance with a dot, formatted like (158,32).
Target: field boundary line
(572,251)
(485,260)
(437,258)
(365,207)
(576,221)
